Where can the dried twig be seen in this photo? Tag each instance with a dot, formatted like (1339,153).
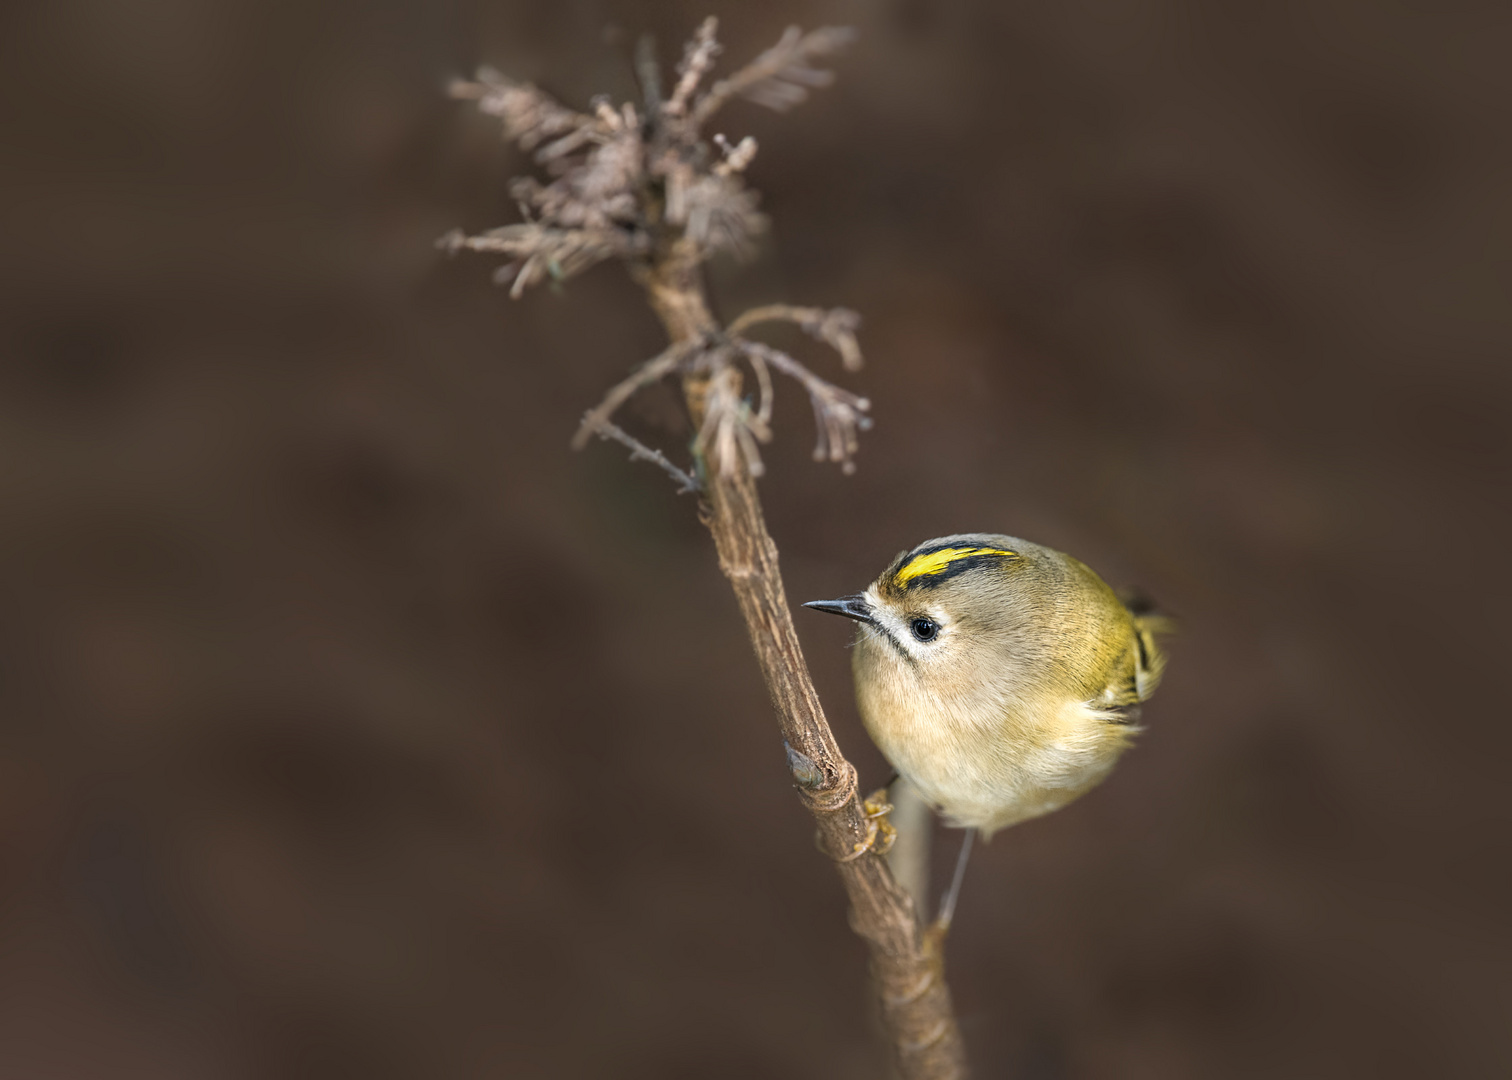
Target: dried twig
(639,451)
(648,72)
(698,59)
(737,158)
(653,370)
(780,77)
(719,212)
(764,381)
(656,194)
(541,251)
(835,327)
(907,965)
(530,115)
(839,414)
(729,425)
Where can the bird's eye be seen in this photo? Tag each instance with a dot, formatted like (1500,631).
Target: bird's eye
(924,629)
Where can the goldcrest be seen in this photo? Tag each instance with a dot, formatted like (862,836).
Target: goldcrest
(1002,678)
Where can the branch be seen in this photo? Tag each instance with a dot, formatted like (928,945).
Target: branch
(838,413)
(530,115)
(653,370)
(729,425)
(718,210)
(639,451)
(658,196)
(907,962)
(780,77)
(648,72)
(698,59)
(540,251)
(835,327)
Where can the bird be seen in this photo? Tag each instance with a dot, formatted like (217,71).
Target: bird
(1000,677)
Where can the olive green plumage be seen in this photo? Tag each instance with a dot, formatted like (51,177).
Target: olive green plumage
(1001,677)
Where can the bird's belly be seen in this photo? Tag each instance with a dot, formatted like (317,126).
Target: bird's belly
(989,780)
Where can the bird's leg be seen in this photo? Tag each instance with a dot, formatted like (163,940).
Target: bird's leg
(909,857)
(948,901)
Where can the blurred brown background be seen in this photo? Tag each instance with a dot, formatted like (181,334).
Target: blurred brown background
(354,727)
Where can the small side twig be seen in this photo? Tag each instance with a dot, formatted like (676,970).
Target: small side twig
(838,414)
(653,370)
(836,327)
(648,73)
(781,77)
(530,115)
(639,451)
(698,59)
(764,381)
(729,424)
(539,251)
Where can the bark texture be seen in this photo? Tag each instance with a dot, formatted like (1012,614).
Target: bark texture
(906,959)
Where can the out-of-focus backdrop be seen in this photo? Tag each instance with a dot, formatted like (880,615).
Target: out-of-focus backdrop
(353,726)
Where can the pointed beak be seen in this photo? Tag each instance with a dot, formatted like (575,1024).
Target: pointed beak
(850,607)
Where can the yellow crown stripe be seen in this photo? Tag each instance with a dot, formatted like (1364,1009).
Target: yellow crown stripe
(934,562)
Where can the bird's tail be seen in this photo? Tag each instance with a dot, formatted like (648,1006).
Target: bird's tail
(1150,624)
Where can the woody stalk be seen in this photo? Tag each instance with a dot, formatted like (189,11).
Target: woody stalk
(642,183)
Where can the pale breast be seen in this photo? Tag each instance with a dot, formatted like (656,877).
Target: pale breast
(1028,764)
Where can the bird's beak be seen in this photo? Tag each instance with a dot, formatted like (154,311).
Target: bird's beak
(851,607)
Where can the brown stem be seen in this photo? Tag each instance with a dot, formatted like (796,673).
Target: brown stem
(906,962)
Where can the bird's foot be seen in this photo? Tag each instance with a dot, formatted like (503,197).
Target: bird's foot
(876,808)
(934,941)
(880,833)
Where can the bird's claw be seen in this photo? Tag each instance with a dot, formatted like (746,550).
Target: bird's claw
(880,833)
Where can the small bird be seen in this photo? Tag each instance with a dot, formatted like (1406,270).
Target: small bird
(1000,677)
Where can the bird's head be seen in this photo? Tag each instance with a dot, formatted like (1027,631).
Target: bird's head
(945,606)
